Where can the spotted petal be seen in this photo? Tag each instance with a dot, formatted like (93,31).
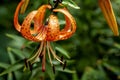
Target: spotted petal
(25,29)
(39,17)
(66,34)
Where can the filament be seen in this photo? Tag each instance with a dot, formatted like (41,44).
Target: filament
(43,60)
(49,54)
(38,52)
(53,53)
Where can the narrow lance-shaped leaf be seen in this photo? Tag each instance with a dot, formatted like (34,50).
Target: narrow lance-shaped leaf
(75,77)
(66,70)
(17,53)
(12,58)
(10,76)
(62,51)
(71,4)
(13,67)
(112,68)
(4,65)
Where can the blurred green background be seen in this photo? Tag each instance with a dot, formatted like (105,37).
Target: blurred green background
(92,53)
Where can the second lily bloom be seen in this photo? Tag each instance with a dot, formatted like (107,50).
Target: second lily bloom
(107,10)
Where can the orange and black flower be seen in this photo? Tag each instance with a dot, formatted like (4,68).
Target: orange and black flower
(45,32)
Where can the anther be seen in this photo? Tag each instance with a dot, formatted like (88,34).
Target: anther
(57,1)
(41,57)
(64,65)
(26,64)
(30,66)
(54,1)
(53,68)
(61,60)
(60,1)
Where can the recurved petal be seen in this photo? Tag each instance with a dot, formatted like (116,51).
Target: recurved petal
(16,23)
(67,34)
(39,17)
(107,10)
(25,29)
(67,24)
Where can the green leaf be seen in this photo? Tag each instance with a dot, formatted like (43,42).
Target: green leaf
(17,41)
(117,45)
(10,76)
(66,70)
(14,37)
(63,51)
(71,4)
(13,67)
(75,77)
(18,75)
(112,68)
(101,70)
(50,72)
(16,52)
(4,65)
(93,74)
(12,58)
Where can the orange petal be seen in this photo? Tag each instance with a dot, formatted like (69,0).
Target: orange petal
(39,17)
(16,23)
(66,34)
(39,29)
(68,23)
(52,28)
(25,29)
(107,10)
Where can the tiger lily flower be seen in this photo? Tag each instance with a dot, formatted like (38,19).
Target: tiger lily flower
(45,33)
(108,13)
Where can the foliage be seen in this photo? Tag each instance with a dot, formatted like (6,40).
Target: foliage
(92,53)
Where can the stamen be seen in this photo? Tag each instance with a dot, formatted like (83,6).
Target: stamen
(61,60)
(64,65)
(30,66)
(49,54)
(54,1)
(41,57)
(43,60)
(26,64)
(53,68)
(53,53)
(42,54)
(37,53)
